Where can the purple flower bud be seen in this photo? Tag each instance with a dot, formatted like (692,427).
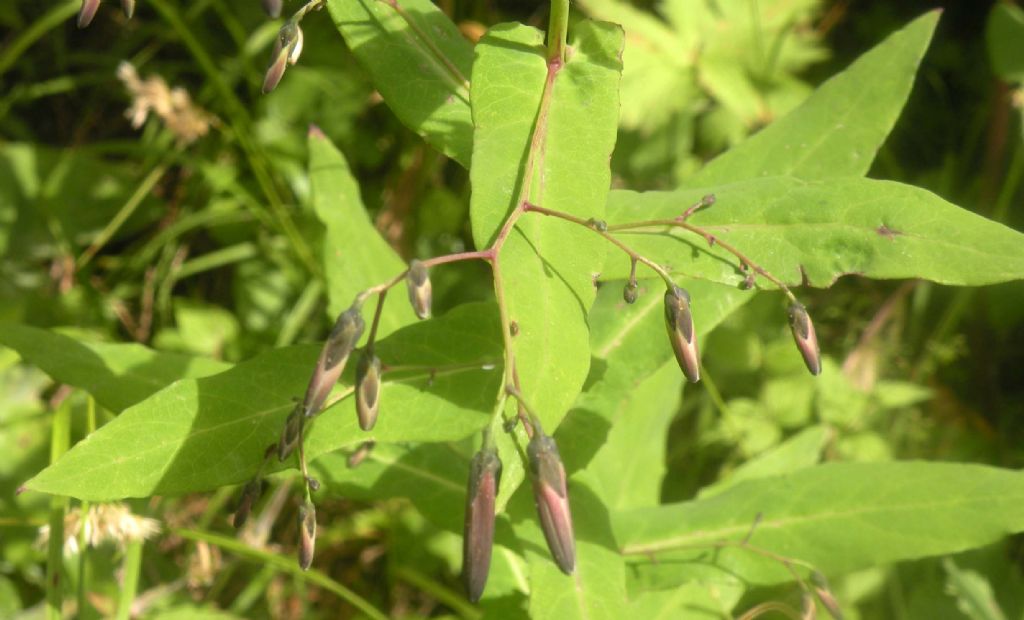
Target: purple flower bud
(250,495)
(128,6)
(806,339)
(307,534)
(367,390)
(329,366)
(284,47)
(290,434)
(272,7)
(552,498)
(87,12)
(629,292)
(420,295)
(478,535)
(679,322)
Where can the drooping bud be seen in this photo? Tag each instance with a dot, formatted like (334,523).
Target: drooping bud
(128,6)
(272,7)
(679,322)
(478,534)
(420,295)
(290,434)
(552,498)
(806,338)
(87,12)
(630,292)
(821,588)
(307,534)
(287,39)
(250,495)
(367,389)
(333,357)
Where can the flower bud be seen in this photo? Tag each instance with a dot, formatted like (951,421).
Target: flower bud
(296,51)
(250,495)
(679,322)
(331,363)
(284,48)
(806,339)
(420,295)
(87,12)
(825,595)
(272,7)
(630,291)
(290,434)
(307,534)
(478,535)
(128,6)
(367,389)
(552,498)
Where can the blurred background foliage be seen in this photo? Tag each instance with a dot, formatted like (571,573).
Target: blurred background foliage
(208,248)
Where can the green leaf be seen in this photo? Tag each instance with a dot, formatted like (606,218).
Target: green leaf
(1005,37)
(973,592)
(633,391)
(814,232)
(201,434)
(597,588)
(118,375)
(690,600)
(418,61)
(838,517)
(839,129)
(547,265)
(355,256)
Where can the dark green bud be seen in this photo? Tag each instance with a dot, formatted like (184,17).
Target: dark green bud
(307,534)
(806,338)
(630,292)
(286,46)
(128,6)
(679,322)
(552,498)
(367,389)
(598,225)
(250,495)
(290,434)
(420,295)
(478,533)
(87,12)
(272,7)
(333,357)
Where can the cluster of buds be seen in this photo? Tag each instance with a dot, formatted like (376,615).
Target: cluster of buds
(89,8)
(550,493)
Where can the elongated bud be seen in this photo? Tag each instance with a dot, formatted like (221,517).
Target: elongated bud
(128,6)
(333,357)
(806,339)
(367,389)
(87,12)
(287,39)
(307,534)
(630,292)
(821,588)
(420,295)
(272,7)
(478,535)
(290,434)
(552,498)
(679,322)
(250,495)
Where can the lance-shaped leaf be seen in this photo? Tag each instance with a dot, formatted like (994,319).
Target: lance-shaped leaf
(547,264)
(419,62)
(198,435)
(355,256)
(838,130)
(117,375)
(838,517)
(815,232)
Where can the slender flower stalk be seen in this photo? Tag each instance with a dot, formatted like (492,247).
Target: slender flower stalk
(478,535)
